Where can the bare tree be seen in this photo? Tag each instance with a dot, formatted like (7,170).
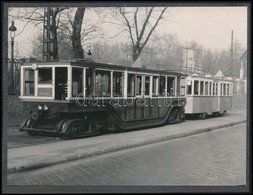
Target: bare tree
(79,30)
(76,35)
(140,23)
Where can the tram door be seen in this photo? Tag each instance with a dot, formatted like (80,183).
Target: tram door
(61,83)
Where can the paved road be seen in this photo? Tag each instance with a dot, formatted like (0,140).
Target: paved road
(213,158)
(16,139)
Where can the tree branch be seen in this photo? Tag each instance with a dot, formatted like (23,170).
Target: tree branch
(136,24)
(153,28)
(128,25)
(145,24)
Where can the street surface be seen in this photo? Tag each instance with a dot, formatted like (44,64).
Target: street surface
(16,139)
(213,158)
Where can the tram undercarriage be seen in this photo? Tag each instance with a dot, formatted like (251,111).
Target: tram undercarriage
(64,125)
(84,124)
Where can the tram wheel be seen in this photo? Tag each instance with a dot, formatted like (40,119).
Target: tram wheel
(223,113)
(203,115)
(82,129)
(32,133)
(175,117)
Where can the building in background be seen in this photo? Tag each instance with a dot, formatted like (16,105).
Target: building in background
(189,61)
(240,83)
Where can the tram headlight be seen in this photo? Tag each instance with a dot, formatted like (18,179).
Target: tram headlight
(45,107)
(39,107)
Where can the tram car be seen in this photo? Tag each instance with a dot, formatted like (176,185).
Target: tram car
(84,98)
(208,95)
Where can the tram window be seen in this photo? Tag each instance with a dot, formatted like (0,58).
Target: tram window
(103,83)
(77,81)
(206,88)
(171,86)
(61,88)
(138,85)
(224,89)
(155,85)
(29,82)
(147,85)
(210,88)
(196,87)
(227,89)
(88,83)
(201,87)
(217,88)
(162,86)
(230,89)
(221,85)
(189,87)
(45,92)
(45,75)
(117,84)
(131,85)
(182,87)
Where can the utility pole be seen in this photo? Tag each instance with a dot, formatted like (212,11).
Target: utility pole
(231,56)
(50,52)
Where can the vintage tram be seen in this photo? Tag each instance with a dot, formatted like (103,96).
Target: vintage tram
(208,95)
(82,98)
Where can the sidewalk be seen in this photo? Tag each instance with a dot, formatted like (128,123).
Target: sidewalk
(37,156)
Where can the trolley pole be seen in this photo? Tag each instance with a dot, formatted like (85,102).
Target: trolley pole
(231,56)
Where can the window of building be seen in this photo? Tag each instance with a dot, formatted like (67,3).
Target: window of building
(29,82)
(147,85)
(118,83)
(131,85)
(45,75)
(162,86)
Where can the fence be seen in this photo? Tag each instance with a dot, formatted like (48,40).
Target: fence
(15,79)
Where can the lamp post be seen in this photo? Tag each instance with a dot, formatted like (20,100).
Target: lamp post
(89,55)
(12,30)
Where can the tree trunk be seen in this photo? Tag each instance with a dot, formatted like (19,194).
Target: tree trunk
(76,36)
(136,51)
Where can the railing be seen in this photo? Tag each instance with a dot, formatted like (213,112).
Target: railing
(14,78)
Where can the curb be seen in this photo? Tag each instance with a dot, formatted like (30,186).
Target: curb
(117,148)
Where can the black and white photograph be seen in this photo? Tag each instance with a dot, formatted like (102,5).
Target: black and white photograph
(124,97)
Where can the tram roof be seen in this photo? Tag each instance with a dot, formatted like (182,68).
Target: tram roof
(210,77)
(85,63)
